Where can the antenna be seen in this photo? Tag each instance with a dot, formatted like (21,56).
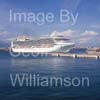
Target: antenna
(12,44)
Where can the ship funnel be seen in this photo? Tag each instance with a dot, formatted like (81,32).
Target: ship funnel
(55,34)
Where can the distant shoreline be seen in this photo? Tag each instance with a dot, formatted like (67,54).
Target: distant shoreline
(4,49)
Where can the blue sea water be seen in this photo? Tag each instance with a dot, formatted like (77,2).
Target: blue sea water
(49,66)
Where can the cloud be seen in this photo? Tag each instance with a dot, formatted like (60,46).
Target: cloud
(67,33)
(97,26)
(80,38)
(89,33)
(88,37)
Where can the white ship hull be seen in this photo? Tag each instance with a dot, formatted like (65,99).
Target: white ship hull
(56,48)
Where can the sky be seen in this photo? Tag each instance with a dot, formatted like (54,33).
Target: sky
(85,31)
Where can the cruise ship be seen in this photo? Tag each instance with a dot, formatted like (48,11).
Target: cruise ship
(48,44)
